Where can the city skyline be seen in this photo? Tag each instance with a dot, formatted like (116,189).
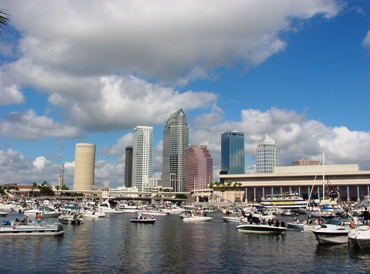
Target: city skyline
(298,71)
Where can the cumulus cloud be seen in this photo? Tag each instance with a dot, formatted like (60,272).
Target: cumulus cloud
(29,126)
(39,162)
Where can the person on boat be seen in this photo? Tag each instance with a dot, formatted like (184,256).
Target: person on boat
(282,224)
(270,222)
(296,220)
(38,217)
(25,219)
(277,223)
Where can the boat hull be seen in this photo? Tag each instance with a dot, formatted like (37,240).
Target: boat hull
(360,237)
(260,229)
(197,219)
(331,238)
(148,221)
(32,230)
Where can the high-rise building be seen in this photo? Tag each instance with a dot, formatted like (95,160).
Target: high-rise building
(142,163)
(266,155)
(198,167)
(175,140)
(84,166)
(128,166)
(232,153)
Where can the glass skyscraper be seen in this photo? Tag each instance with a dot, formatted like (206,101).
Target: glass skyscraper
(175,140)
(142,166)
(266,155)
(232,153)
(128,166)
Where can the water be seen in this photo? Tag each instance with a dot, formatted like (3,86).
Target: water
(114,245)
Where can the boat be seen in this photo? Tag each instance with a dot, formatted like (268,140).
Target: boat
(107,208)
(3,213)
(191,218)
(254,228)
(295,225)
(234,219)
(8,229)
(143,219)
(332,231)
(128,207)
(70,215)
(46,212)
(153,211)
(90,213)
(359,237)
(284,200)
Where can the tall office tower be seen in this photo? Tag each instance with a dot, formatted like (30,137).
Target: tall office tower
(198,168)
(84,166)
(232,153)
(128,166)
(142,163)
(266,155)
(175,140)
(61,176)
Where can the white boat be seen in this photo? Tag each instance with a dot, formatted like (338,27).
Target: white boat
(234,219)
(332,232)
(46,212)
(152,211)
(108,209)
(88,213)
(174,210)
(11,207)
(283,200)
(261,229)
(359,237)
(196,219)
(30,230)
(143,219)
(128,208)
(3,213)
(295,225)
(70,215)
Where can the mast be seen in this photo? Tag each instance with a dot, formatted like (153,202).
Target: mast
(323,175)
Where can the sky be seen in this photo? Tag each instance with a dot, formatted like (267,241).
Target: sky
(90,71)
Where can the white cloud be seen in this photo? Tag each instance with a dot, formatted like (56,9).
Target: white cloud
(29,126)
(39,162)
(366,41)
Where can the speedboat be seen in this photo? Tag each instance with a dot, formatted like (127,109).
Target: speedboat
(332,232)
(234,219)
(153,211)
(359,237)
(92,214)
(70,215)
(261,229)
(108,209)
(295,225)
(3,213)
(46,212)
(8,229)
(191,218)
(143,218)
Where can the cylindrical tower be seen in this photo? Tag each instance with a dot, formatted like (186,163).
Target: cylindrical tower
(84,166)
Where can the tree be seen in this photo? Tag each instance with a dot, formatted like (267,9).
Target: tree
(3,19)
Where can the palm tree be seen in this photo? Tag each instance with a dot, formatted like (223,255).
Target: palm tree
(3,19)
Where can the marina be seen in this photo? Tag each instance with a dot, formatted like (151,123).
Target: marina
(116,245)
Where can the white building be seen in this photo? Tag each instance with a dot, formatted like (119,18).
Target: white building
(266,155)
(142,156)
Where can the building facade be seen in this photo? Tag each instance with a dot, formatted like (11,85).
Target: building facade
(142,165)
(84,166)
(128,166)
(232,153)
(266,155)
(175,140)
(198,168)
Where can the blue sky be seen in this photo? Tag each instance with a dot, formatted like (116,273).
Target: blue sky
(298,71)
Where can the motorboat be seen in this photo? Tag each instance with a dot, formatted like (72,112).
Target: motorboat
(191,218)
(3,213)
(152,211)
(128,207)
(70,215)
(295,225)
(143,218)
(91,213)
(46,212)
(359,237)
(11,207)
(333,231)
(9,229)
(233,219)
(108,209)
(254,228)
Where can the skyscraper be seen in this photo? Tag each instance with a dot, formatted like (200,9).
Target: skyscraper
(128,166)
(175,140)
(84,166)
(232,153)
(142,156)
(266,155)
(198,167)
